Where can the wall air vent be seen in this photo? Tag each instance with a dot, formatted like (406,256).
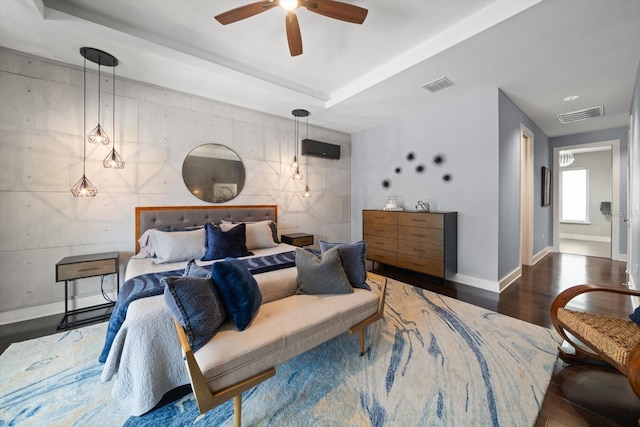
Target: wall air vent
(438,84)
(576,116)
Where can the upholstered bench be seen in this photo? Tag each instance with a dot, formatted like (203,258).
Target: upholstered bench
(611,339)
(234,361)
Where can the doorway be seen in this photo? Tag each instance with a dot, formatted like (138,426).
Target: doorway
(586,199)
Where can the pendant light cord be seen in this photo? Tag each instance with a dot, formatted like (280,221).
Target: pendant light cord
(113,107)
(99,60)
(84,120)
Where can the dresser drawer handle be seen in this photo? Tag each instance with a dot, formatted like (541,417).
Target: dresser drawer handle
(418,220)
(378,230)
(87,269)
(419,235)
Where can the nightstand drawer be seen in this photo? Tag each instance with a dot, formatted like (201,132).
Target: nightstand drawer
(297,239)
(85,269)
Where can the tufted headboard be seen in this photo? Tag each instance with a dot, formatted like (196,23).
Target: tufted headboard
(187,216)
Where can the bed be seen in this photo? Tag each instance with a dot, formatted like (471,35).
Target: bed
(144,359)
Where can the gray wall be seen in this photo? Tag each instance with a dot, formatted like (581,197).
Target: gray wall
(634,256)
(621,134)
(466,132)
(41,159)
(511,117)
(599,166)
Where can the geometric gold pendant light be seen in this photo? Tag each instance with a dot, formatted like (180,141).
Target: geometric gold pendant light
(84,187)
(113,159)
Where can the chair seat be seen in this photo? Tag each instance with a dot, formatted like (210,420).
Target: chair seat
(613,336)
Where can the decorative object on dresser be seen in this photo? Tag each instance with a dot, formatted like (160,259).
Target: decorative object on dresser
(426,242)
(80,267)
(297,239)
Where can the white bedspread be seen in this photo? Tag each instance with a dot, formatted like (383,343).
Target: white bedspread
(145,360)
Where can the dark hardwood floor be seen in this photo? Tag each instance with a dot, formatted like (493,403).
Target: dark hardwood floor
(578,395)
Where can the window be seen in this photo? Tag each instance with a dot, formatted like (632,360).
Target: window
(574,193)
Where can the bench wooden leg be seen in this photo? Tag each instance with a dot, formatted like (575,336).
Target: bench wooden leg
(361,334)
(237,410)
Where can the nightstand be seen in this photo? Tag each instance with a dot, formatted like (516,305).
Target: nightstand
(297,239)
(80,267)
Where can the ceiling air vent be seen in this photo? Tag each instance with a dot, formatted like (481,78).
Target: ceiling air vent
(576,116)
(438,84)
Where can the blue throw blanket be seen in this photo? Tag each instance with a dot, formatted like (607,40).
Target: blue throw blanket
(148,285)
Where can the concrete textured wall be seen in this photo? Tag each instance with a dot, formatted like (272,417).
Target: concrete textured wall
(41,116)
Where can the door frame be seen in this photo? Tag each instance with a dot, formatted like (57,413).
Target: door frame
(526,195)
(615,194)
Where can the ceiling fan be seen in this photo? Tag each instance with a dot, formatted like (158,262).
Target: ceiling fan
(331,8)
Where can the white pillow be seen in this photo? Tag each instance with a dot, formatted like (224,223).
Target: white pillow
(178,245)
(146,249)
(259,234)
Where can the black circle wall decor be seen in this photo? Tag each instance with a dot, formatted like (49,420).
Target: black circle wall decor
(386,183)
(438,159)
(398,169)
(411,156)
(447,177)
(420,169)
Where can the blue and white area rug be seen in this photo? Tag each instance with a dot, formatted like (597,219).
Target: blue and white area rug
(432,361)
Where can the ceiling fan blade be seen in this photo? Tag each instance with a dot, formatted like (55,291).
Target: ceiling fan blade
(337,10)
(293,34)
(242,12)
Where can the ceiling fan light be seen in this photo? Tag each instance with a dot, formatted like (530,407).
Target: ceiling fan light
(288,5)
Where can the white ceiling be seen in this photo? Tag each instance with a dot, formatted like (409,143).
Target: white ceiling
(353,77)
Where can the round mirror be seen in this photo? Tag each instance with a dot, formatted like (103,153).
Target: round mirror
(213,173)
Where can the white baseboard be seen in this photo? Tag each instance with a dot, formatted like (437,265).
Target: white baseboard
(29,313)
(487,285)
(509,279)
(537,257)
(588,237)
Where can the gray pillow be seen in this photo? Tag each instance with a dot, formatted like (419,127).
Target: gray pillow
(352,257)
(321,274)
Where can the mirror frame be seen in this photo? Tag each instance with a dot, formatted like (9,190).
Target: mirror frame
(211,178)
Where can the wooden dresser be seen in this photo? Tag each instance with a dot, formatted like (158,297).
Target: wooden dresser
(426,242)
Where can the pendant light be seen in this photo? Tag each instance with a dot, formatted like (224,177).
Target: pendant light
(307,193)
(84,187)
(98,135)
(113,159)
(566,158)
(297,175)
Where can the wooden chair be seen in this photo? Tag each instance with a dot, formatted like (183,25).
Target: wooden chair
(606,338)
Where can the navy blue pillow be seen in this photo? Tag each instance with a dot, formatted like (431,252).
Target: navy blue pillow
(352,257)
(222,244)
(238,290)
(635,316)
(196,305)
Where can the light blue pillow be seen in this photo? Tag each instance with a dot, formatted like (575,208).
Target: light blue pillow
(352,257)
(194,270)
(238,290)
(321,274)
(196,305)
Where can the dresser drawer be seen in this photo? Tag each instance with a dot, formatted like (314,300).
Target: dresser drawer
(421,219)
(433,236)
(380,255)
(381,242)
(380,217)
(383,230)
(423,265)
(85,269)
(421,249)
